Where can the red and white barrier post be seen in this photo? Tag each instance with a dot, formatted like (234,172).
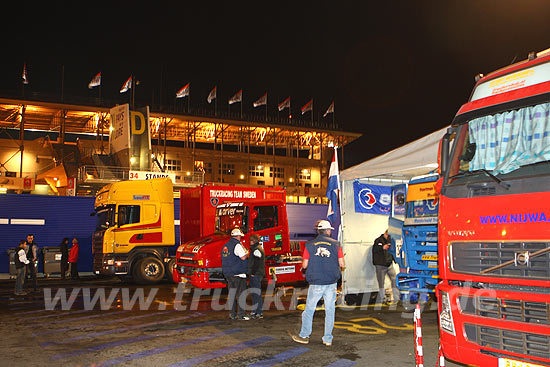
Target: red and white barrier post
(418,350)
(441,358)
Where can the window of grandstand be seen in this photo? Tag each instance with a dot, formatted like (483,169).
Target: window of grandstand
(256,171)
(173,165)
(277,171)
(228,169)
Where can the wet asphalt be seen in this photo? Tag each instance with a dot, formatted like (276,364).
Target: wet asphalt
(99,325)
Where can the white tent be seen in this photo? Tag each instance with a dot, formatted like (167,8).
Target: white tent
(359,230)
(413,159)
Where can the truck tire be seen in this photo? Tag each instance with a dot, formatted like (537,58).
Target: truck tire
(170,265)
(148,270)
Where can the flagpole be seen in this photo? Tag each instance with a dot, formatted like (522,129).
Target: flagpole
(100,97)
(62,81)
(266,107)
(189,98)
(242,100)
(133,95)
(333,113)
(312,110)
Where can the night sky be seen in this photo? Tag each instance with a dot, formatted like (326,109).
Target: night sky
(397,70)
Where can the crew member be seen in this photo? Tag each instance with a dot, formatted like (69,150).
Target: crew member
(323,260)
(383,261)
(256,270)
(234,266)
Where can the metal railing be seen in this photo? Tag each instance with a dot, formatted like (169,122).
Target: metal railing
(107,174)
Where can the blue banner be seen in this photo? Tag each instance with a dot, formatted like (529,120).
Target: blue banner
(372,199)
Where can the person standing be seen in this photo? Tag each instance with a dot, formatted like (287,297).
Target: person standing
(21,263)
(383,262)
(234,267)
(32,256)
(73,259)
(256,270)
(323,260)
(64,249)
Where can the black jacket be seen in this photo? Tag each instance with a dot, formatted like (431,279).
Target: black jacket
(379,255)
(64,249)
(256,265)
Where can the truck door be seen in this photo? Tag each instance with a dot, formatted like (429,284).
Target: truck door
(267,225)
(127,216)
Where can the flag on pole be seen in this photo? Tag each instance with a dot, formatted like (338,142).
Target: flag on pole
(284,104)
(212,95)
(127,85)
(96,81)
(183,92)
(24,75)
(330,109)
(237,97)
(308,106)
(333,188)
(261,101)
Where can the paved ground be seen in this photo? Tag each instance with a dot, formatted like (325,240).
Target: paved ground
(201,334)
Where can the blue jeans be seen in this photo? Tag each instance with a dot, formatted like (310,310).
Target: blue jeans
(256,291)
(20,278)
(314,294)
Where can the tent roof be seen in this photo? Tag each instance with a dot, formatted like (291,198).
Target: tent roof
(416,158)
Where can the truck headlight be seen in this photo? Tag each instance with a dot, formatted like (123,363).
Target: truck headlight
(110,262)
(445,316)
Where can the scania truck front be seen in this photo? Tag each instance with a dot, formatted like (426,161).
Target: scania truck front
(494,229)
(135,230)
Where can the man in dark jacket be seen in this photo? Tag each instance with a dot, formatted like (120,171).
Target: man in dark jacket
(64,249)
(256,270)
(32,256)
(323,260)
(234,267)
(383,262)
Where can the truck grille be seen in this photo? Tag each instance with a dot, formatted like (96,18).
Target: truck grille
(187,261)
(533,345)
(474,257)
(507,309)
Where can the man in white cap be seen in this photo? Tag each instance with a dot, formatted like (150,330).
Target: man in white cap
(323,260)
(234,267)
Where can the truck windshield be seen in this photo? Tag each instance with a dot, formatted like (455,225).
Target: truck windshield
(105,217)
(509,144)
(229,218)
(422,204)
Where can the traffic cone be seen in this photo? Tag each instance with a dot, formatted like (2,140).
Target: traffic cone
(418,350)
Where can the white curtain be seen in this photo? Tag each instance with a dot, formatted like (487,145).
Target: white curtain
(509,140)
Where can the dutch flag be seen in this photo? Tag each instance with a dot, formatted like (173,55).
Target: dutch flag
(333,189)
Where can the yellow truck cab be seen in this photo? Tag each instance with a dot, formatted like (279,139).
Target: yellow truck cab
(135,229)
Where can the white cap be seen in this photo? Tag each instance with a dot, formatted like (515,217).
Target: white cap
(236,232)
(323,224)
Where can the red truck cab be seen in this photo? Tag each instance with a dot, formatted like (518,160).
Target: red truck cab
(199,261)
(494,232)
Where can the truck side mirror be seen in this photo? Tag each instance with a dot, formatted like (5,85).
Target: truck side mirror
(444,153)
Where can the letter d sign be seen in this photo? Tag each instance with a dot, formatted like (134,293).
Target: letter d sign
(134,117)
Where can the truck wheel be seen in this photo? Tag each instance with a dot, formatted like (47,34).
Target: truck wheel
(149,270)
(170,265)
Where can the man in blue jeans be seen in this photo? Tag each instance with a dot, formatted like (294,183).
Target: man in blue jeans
(323,260)
(256,271)
(21,261)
